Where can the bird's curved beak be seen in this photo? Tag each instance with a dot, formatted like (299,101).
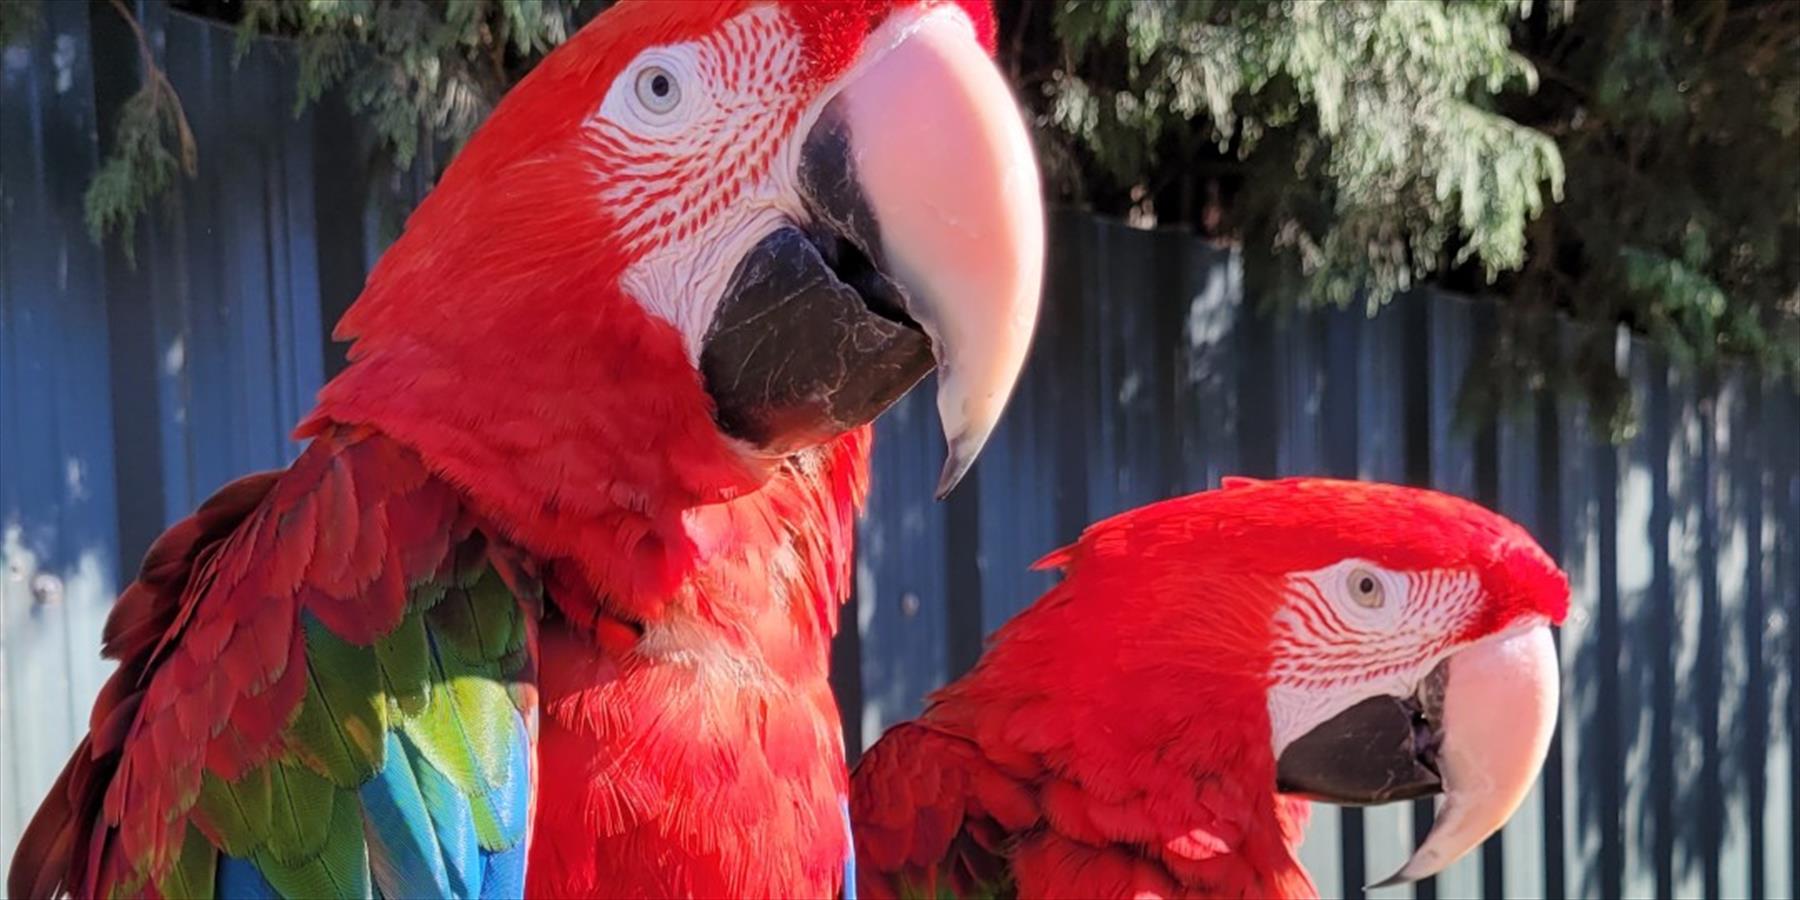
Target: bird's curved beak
(925,246)
(1475,730)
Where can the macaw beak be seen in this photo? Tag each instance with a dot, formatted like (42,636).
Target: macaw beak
(925,247)
(1475,730)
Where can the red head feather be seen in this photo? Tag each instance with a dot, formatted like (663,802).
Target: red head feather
(495,336)
(1120,736)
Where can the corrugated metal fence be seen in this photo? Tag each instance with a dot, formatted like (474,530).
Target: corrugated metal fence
(1673,773)
(130,394)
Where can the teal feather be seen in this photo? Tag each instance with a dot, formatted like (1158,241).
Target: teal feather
(239,879)
(465,732)
(404,852)
(504,875)
(455,825)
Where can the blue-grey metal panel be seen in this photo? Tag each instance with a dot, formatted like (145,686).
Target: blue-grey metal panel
(1692,652)
(1740,722)
(1781,551)
(1644,615)
(1211,361)
(1587,642)
(1024,496)
(1519,474)
(1773,449)
(1132,383)
(58,531)
(1453,454)
(237,303)
(901,590)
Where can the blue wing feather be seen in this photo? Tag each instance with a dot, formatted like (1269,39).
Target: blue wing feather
(454,822)
(239,879)
(505,875)
(404,850)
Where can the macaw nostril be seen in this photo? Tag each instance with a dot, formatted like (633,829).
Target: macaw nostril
(879,294)
(1427,740)
(1428,720)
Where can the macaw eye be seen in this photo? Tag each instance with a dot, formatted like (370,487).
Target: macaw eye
(658,90)
(1365,589)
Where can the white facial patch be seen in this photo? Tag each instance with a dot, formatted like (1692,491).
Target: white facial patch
(1340,640)
(701,137)
(699,181)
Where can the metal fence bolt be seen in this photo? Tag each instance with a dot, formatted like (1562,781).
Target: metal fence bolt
(47,589)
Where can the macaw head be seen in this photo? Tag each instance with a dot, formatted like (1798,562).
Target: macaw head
(1397,638)
(710,231)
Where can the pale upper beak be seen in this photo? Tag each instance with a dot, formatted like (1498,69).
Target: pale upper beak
(1475,731)
(1500,702)
(948,171)
(926,245)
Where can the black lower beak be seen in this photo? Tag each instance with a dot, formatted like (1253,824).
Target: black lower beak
(811,337)
(1380,750)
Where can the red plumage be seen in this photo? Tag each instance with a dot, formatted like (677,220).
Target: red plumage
(1114,741)
(503,380)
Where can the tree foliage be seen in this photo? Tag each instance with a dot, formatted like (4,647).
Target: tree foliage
(18,21)
(1615,163)
(413,69)
(1359,136)
(152,142)
(1679,124)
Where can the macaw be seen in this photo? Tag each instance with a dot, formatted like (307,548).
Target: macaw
(1154,724)
(544,604)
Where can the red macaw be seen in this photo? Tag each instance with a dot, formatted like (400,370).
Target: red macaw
(567,546)
(1149,727)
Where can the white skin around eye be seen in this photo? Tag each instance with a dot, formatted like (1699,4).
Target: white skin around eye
(1332,652)
(671,162)
(630,110)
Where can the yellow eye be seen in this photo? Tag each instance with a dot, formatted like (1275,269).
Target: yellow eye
(1366,589)
(657,89)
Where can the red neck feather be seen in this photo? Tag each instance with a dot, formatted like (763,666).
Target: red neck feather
(1162,723)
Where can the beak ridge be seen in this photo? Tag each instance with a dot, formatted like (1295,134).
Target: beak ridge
(1500,704)
(944,162)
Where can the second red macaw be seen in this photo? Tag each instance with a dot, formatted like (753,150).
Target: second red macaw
(1150,727)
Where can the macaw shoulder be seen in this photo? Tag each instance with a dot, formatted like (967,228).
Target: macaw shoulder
(276,648)
(931,814)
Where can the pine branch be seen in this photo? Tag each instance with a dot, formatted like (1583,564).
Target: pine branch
(140,165)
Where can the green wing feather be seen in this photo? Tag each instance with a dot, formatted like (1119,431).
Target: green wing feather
(272,655)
